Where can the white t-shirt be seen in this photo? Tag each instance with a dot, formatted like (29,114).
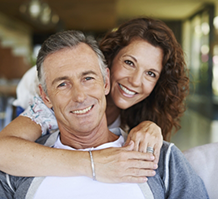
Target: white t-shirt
(85,188)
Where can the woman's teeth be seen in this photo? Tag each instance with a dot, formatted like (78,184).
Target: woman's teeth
(126,90)
(82,111)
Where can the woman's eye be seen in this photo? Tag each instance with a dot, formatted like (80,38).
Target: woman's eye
(129,62)
(151,74)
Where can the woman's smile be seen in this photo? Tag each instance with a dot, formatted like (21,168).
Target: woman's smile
(127,92)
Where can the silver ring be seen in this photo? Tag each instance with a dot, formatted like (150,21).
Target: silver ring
(150,149)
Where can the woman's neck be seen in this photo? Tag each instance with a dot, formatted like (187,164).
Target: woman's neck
(112,111)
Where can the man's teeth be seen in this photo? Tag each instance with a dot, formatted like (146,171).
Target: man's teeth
(126,90)
(83,111)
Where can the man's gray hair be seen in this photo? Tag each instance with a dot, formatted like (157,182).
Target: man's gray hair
(62,40)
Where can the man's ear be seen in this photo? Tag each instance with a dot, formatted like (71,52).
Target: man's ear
(107,81)
(44,97)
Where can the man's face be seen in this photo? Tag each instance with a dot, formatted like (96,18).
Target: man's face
(76,90)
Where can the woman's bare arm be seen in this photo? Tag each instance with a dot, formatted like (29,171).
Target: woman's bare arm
(20,156)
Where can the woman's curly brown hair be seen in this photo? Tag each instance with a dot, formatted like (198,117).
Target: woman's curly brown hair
(165,104)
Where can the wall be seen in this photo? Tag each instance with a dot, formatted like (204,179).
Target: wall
(15,47)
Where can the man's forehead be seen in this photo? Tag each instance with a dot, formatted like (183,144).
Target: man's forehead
(79,56)
(81,49)
(69,62)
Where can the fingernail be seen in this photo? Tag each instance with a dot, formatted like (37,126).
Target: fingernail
(152,157)
(155,166)
(145,179)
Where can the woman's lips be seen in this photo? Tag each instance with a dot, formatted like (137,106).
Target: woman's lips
(127,91)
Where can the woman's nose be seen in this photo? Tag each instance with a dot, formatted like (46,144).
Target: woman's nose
(136,78)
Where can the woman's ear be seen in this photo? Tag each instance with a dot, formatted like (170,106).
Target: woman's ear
(107,81)
(44,97)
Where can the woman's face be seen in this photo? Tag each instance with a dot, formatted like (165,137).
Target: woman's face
(134,73)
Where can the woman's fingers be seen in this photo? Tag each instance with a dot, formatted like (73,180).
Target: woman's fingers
(115,165)
(147,135)
(131,163)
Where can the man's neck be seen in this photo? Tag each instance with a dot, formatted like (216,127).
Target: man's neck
(81,140)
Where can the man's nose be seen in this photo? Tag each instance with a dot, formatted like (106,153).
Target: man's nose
(79,94)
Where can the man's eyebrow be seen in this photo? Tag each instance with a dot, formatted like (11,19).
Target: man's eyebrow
(67,77)
(59,79)
(88,72)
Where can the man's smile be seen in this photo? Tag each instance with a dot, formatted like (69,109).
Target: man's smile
(83,111)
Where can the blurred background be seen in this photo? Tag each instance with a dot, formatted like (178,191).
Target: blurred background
(25,24)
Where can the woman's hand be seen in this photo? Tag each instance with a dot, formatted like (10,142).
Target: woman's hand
(122,164)
(146,134)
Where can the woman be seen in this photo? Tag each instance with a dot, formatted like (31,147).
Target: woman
(164,105)
(148,82)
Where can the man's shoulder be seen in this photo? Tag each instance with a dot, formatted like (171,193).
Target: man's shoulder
(118,131)
(167,148)
(48,139)
(14,186)
(169,155)
(170,150)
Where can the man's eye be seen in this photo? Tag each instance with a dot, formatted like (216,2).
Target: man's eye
(151,74)
(62,84)
(129,62)
(88,78)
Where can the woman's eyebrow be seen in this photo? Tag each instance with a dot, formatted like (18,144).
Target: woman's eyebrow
(130,56)
(157,71)
(152,69)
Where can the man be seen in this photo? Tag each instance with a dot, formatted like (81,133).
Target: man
(74,82)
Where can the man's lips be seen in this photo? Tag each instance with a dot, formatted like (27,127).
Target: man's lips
(82,111)
(127,91)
